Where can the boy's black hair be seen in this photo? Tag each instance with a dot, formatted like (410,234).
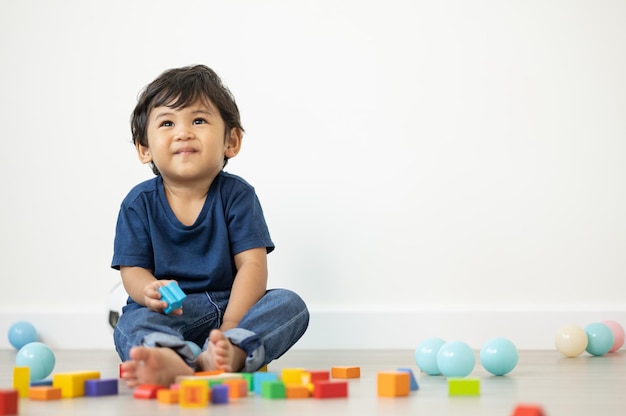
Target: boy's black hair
(178,88)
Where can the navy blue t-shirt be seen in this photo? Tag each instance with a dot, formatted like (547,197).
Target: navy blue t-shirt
(201,256)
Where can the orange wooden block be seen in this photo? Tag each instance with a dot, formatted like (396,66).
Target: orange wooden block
(297,391)
(345,372)
(393,384)
(237,388)
(208,373)
(147,391)
(528,410)
(44,393)
(168,396)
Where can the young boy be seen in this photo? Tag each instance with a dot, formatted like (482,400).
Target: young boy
(202,228)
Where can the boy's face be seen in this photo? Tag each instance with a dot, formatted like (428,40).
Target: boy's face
(188,144)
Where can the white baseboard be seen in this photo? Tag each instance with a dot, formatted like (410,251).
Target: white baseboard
(86,326)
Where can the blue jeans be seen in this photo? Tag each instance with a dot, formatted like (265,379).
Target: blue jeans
(265,333)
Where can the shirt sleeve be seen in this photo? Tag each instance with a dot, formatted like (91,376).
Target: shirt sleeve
(132,244)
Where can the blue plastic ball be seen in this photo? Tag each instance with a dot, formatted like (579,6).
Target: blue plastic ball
(600,338)
(456,359)
(22,333)
(38,357)
(426,355)
(194,348)
(499,356)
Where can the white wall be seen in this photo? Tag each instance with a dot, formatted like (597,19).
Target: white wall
(427,168)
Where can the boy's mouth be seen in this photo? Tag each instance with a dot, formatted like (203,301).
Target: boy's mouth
(185,151)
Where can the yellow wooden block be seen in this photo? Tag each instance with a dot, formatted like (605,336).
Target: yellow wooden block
(297,391)
(193,393)
(393,384)
(293,375)
(463,386)
(21,380)
(44,393)
(168,396)
(345,372)
(73,384)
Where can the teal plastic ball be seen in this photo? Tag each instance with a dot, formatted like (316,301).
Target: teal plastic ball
(426,355)
(600,338)
(499,356)
(38,357)
(22,333)
(456,359)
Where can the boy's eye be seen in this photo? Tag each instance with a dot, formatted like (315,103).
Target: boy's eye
(199,121)
(167,123)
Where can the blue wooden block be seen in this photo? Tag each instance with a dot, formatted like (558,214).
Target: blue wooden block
(100,387)
(41,383)
(219,394)
(173,295)
(413,381)
(259,377)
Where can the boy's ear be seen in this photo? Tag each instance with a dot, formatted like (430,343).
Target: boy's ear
(233,142)
(144,153)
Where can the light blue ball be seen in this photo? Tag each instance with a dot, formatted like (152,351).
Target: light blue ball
(194,348)
(499,356)
(426,355)
(38,357)
(456,359)
(600,338)
(22,333)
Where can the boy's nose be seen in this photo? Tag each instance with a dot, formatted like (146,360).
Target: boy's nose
(184,133)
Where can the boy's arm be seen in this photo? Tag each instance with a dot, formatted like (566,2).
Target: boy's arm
(249,286)
(143,287)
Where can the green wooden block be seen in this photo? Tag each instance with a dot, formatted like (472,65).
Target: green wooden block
(273,390)
(250,379)
(463,387)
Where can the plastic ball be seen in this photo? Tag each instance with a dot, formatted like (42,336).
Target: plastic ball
(194,348)
(499,356)
(426,355)
(455,359)
(618,334)
(38,357)
(600,337)
(22,333)
(571,340)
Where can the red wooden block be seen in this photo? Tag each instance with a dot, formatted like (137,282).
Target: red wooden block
(528,410)
(8,402)
(318,375)
(147,391)
(326,389)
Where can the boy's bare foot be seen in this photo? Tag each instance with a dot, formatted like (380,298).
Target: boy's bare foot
(149,365)
(221,354)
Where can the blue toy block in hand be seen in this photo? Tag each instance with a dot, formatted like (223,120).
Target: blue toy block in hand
(173,295)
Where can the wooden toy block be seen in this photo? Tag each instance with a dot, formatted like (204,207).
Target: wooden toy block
(316,375)
(21,380)
(41,383)
(463,386)
(237,388)
(293,375)
(193,394)
(259,378)
(220,394)
(98,387)
(345,372)
(73,384)
(262,369)
(393,384)
(249,377)
(44,393)
(528,410)
(168,396)
(327,389)
(273,390)
(220,377)
(297,391)
(147,391)
(8,402)
(208,373)
(173,295)
(412,379)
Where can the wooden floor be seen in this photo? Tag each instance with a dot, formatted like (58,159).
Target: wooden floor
(576,386)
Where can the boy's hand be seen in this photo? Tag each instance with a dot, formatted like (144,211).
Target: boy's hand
(152,297)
